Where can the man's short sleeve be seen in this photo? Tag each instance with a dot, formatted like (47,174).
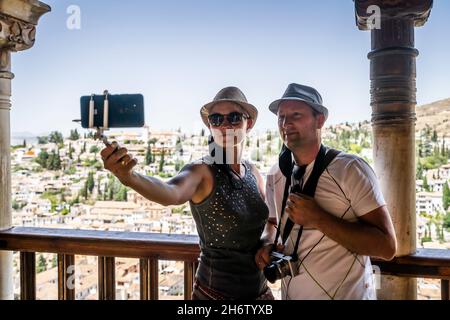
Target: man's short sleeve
(361,187)
(272,181)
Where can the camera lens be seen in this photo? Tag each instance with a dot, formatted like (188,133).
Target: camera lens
(271,273)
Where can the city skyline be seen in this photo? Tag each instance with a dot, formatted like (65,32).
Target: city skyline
(178,54)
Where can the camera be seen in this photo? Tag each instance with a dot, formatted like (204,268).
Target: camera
(280,267)
(285,265)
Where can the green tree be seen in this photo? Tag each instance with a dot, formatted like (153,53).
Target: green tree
(54,161)
(269,149)
(443,149)
(105,191)
(41,264)
(433,162)
(425,185)
(419,171)
(84,191)
(70,153)
(446,222)
(56,137)
(148,155)
(111,187)
(54,261)
(438,221)
(74,135)
(425,147)
(178,165)
(90,182)
(121,195)
(57,161)
(434,138)
(162,161)
(16,205)
(42,140)
(42,158)
(446,196)
(94,149)
(75,201)
(258,154)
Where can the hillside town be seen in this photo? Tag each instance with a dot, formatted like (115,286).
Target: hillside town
(60,182)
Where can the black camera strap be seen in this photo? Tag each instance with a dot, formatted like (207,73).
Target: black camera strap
(322,161)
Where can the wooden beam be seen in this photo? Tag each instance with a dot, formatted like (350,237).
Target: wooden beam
(66,277)
(154,279)
(102,243)
(28,276)
(445,290)
(425,263)
(106,278)
(189,278)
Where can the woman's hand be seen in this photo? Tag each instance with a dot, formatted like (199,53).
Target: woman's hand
(118,161)
(262,256)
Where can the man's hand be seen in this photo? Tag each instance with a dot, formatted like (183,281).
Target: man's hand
(118,161)
(304,210)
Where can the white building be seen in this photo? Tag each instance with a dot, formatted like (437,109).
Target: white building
(429,202)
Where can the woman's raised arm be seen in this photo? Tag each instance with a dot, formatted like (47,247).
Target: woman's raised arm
(176,191)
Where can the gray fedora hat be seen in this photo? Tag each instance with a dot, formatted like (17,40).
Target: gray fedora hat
(298,92)
(229,94)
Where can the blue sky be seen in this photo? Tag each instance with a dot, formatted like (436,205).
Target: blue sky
(178,54)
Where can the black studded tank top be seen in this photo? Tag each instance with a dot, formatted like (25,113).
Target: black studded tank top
(230,222)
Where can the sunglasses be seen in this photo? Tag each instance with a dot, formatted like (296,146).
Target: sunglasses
(233,118)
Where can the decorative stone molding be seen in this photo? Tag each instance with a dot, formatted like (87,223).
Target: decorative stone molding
(18,20)
(28,11)
(15,34)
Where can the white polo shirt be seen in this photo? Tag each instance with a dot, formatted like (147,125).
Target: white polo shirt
(347,189)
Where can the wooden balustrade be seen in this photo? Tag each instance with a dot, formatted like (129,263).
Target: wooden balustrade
(106,245)
(149,248)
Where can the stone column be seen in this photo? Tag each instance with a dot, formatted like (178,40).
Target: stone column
(18,20)
(393,101)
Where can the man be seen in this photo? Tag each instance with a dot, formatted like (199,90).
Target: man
(342,226)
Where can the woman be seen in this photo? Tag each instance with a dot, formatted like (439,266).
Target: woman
(226,197)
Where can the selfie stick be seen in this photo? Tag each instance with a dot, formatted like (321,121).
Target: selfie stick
(99,135)
(100,130)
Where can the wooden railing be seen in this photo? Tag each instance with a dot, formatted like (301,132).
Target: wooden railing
(149,248)
(425,263)
(106,245)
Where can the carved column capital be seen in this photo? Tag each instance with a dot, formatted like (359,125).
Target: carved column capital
(15,34)
(416,10)
(18,20)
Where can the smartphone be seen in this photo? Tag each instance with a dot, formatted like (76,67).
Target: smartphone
(124,111)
